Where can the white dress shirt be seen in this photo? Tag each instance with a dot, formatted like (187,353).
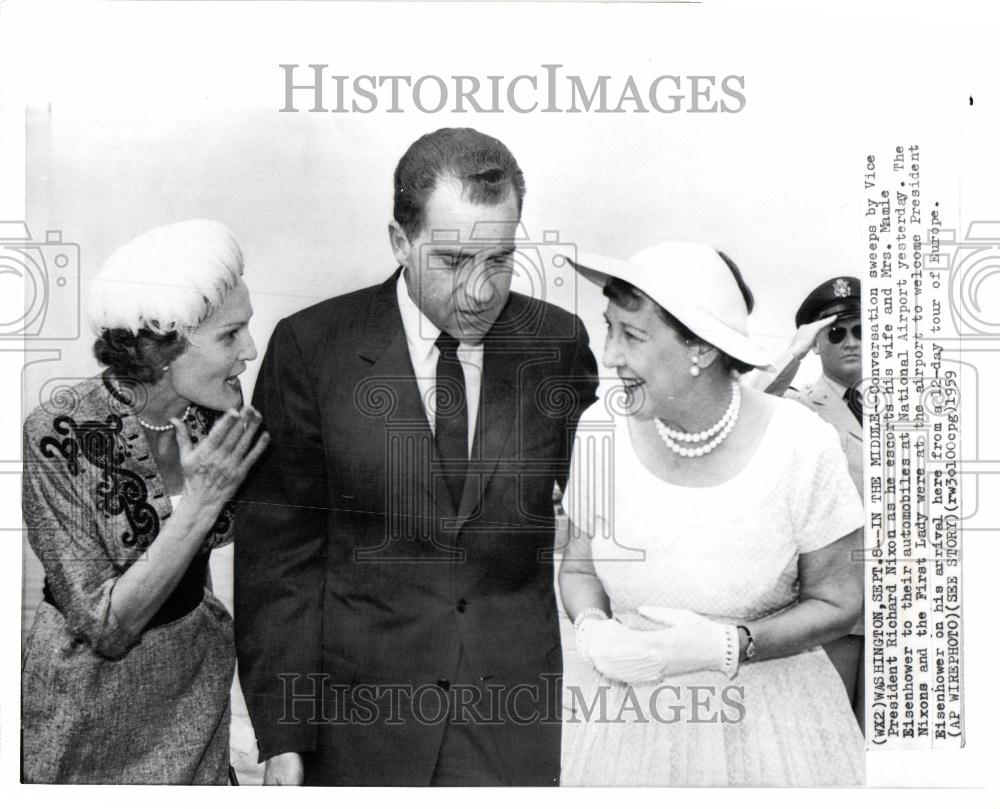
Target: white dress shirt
(421,335)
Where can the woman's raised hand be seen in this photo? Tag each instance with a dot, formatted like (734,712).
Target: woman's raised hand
(215,467)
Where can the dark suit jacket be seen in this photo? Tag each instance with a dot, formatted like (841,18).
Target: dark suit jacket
(356,577)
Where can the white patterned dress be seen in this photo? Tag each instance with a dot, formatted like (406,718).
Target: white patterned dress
(729,552)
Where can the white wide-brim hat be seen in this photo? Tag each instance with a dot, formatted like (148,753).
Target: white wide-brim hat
(692,282)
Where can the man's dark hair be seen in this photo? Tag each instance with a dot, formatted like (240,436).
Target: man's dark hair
(483,165)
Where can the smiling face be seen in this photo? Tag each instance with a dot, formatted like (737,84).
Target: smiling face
(461,278)
(650,357)
(218,351)
(841,361)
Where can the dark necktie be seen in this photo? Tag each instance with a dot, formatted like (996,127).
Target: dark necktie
(852,396)
(451,421)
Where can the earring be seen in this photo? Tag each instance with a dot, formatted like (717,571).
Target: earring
(695,369)
(166,368)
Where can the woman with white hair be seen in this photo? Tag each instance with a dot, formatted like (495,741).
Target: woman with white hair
(127,476)
(711,555)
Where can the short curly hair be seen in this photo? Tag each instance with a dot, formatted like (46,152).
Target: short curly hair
(138,357)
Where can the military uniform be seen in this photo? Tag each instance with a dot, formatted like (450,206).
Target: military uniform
(839,296)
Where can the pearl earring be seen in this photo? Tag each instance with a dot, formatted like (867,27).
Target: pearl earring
(695,369)
(166,368)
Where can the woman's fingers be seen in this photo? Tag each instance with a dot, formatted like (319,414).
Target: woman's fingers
(221,429)
(217,465)
(238,430)
(251,423)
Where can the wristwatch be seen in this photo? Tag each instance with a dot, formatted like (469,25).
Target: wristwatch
(751,649)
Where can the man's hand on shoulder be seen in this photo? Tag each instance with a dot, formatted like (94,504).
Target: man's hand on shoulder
(284,770)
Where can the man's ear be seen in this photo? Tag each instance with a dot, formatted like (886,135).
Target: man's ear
(400,243)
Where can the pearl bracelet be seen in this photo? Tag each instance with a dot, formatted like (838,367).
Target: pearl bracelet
(597,612)
(590,612)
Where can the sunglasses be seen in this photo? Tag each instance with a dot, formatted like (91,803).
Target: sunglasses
(838,333)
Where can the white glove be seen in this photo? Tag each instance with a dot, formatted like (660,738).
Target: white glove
(617,652)
(691,642)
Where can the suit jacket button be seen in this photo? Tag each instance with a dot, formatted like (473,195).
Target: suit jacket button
(444,685)
(462,604)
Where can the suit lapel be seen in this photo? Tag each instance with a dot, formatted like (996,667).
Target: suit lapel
(384,346)
(498,412)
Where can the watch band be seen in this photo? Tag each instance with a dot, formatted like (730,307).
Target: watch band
(751,649)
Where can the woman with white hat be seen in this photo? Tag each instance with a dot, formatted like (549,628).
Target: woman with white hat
(711,550)
(127,668)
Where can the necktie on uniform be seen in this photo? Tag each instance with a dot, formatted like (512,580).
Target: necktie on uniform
(852,396)
(451,420)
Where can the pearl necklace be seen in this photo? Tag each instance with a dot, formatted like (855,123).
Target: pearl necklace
(720,430)
(157,428)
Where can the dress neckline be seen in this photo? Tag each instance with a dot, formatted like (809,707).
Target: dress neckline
(738,475)
(124,409)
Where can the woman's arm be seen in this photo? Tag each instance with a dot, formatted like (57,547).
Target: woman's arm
(578,583)
(616,651)
(213,470)
(101,604)
(830,602)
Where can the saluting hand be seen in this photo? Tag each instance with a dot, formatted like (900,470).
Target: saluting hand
(806,334)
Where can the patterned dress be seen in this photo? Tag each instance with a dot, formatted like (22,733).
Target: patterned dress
(729,552)
(100,704)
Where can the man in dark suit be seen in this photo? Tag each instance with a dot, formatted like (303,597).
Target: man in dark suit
(395,616)
(835,397)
